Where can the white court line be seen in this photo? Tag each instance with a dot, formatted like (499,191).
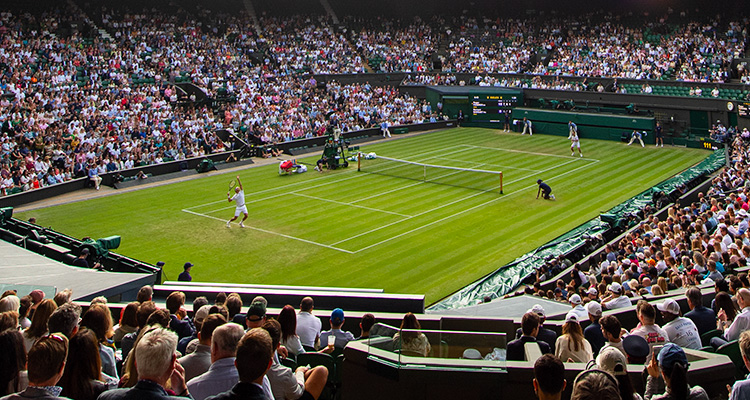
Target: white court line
(305,188)
(450,203)
(491,165)
(273,233)
(349,204)
(526,152)
(464,211)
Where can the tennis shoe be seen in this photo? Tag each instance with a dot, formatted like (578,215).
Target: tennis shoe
(242,225)
(572,154)
(581,155)
(552,196)
(228,226)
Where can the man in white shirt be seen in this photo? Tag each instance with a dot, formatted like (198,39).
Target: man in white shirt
(648,329)
(617,300)
(681,331)
(308,325)
(239,201)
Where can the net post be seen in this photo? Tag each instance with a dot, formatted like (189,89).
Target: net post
(501,182)
(359,161)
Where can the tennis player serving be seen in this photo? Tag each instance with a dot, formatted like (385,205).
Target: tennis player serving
(239,201)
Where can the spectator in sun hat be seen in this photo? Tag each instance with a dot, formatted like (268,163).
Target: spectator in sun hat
(576,302)
(342,337)
(681,331)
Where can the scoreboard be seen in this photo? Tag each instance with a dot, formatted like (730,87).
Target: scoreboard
(743,109)
(490,107)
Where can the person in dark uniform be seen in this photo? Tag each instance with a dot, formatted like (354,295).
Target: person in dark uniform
(506,125)
(460,117)
(185,275)
(658,133)
(544,190)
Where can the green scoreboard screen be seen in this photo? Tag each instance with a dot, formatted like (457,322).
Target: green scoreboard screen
(490,107)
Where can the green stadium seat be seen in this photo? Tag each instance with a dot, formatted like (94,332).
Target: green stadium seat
(706,337)
(732,350)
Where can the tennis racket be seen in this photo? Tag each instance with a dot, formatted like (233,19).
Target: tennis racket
(232,184)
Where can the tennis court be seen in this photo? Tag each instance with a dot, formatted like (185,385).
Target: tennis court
(384,210)
(366,229)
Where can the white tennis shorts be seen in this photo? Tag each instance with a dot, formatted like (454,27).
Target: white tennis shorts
(575,143)
(240,210)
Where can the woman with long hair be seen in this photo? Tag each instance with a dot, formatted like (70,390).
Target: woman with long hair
(98,318)
(409,338)
(289,338)
(13,374)
(39,320)
(83,368)
(128,322)
(723,303)
(672,365)
(662,283)
(571,345)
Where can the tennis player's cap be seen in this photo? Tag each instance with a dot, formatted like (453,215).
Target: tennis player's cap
(669,306)
(594,308)
(575,299)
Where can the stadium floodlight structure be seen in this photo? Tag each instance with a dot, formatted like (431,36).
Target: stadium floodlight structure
(471,178)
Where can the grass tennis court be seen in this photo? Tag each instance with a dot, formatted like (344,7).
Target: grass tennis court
(349,228)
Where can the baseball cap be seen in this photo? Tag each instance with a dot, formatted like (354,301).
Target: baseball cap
(571,317)
(257,309)
(575,299)
(337,315)
(670,306)
(538,309)
(613,361)
(615,287)
(202,313)
(538,181)
(626,261)
(36,295)
(671,354)
(594,308)
(593,291)
(85,251)
(635,346)
(188,265)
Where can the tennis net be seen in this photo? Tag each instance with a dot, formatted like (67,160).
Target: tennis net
(471,178)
